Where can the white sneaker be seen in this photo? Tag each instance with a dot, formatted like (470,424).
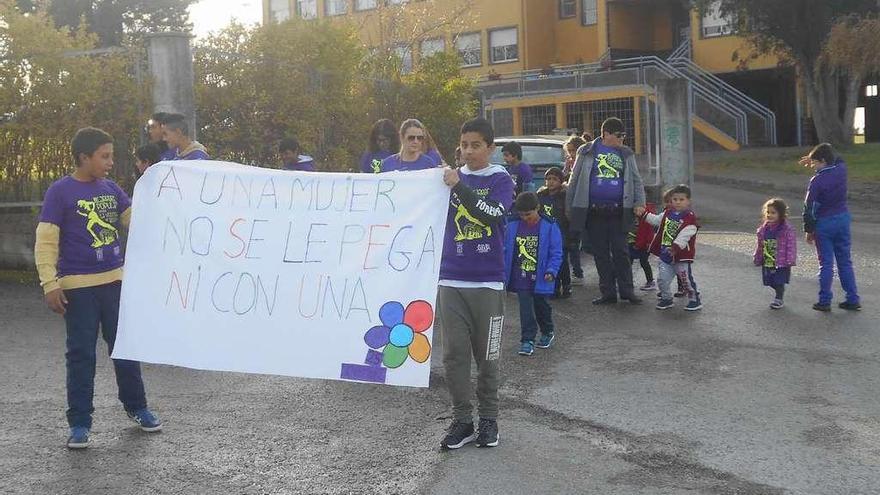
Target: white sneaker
(777,304)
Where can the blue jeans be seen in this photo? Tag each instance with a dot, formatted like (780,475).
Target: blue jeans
(833,243)
(87,309)
(534,312)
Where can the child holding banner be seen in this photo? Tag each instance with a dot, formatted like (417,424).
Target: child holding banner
(79,260)
(471,293)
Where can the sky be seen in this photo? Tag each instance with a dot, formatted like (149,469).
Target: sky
(211,15)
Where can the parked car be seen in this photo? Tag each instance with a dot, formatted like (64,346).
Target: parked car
(540,152)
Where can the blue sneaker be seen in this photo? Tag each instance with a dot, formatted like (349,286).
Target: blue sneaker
(79,437)
(693,306)
(546,341)
(527,348)
(665,304)
(146,420)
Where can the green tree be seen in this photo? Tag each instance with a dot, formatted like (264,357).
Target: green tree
(48,94)
(798,31)
(113,20)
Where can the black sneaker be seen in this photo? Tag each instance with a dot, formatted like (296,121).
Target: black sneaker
(604,300)
(822,307)
(850,306)
(488,434)
(632,298)
(458,435)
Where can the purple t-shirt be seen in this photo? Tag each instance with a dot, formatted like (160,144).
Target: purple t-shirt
(371,162)
(168,155)
(606,176)
(473,252)
(88,215)
(525,258)
(194,155)
(522,176)
(394,162)
(304,163)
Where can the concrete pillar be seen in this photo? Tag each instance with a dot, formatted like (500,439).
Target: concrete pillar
(561,118)
(170,61)
(517,121)
(676,133)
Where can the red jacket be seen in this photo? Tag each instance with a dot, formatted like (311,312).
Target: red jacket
(644,233)
(680,236)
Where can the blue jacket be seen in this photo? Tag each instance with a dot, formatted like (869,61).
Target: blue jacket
(826,194)
(549,253)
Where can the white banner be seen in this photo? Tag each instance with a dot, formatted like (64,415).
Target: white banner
(320,275)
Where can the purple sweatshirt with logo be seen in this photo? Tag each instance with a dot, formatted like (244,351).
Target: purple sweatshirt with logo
(473,249)
(826,194)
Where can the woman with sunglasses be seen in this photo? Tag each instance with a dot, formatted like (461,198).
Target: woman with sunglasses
(414,144)
(383,140)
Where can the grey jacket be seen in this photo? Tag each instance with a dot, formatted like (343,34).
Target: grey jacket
(578,198)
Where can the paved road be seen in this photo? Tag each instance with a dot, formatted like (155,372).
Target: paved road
(735,399)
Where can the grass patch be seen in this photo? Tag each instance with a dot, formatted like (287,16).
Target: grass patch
(23,277)
(862,160)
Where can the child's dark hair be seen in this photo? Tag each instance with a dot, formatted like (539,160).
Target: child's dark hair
(288,144)
(679,189)
(482,127)
(148,153)
(555,172)
(823,152)
(526,201)
(386,128)
(87,140)
(512,148)
(178,121)
(777,204)
(161,118)
(612,125)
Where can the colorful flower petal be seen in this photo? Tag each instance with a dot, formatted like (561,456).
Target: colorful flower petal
(420,349)
(391,314)
(419,316)
(377,337)
(401,335)
(394,356)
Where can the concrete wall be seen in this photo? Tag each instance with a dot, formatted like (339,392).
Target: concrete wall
(17,228)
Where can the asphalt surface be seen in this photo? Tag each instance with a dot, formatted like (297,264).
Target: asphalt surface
(735,399)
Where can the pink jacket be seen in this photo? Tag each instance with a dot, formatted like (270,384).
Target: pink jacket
(786,246)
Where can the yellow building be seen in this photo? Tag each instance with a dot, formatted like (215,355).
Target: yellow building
(545,65)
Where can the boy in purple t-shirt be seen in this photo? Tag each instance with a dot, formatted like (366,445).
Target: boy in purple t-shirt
(532,258)
(518,169)
(177,135)
(79,260)
(471,293)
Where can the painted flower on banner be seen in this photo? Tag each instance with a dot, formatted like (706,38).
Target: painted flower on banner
(402,333)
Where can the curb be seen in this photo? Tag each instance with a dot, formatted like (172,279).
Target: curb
(862,197)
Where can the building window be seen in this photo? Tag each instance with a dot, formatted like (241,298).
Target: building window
(503,43)
(469,49)
(871,90)
(432,46)
(538,120)
(590,12)
(279,10)
(364,4)
(567,8)
(404,53)
(307,9)
(713,24)
(335,7)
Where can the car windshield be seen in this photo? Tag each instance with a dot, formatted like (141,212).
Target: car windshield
(534,154)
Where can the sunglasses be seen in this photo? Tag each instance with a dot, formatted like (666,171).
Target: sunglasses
(416,138)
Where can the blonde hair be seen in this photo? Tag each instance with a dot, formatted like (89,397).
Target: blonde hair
(427,144)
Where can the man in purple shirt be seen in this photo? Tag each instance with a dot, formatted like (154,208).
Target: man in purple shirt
(156,133)
(605,195)
(177,135)
(291,159)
